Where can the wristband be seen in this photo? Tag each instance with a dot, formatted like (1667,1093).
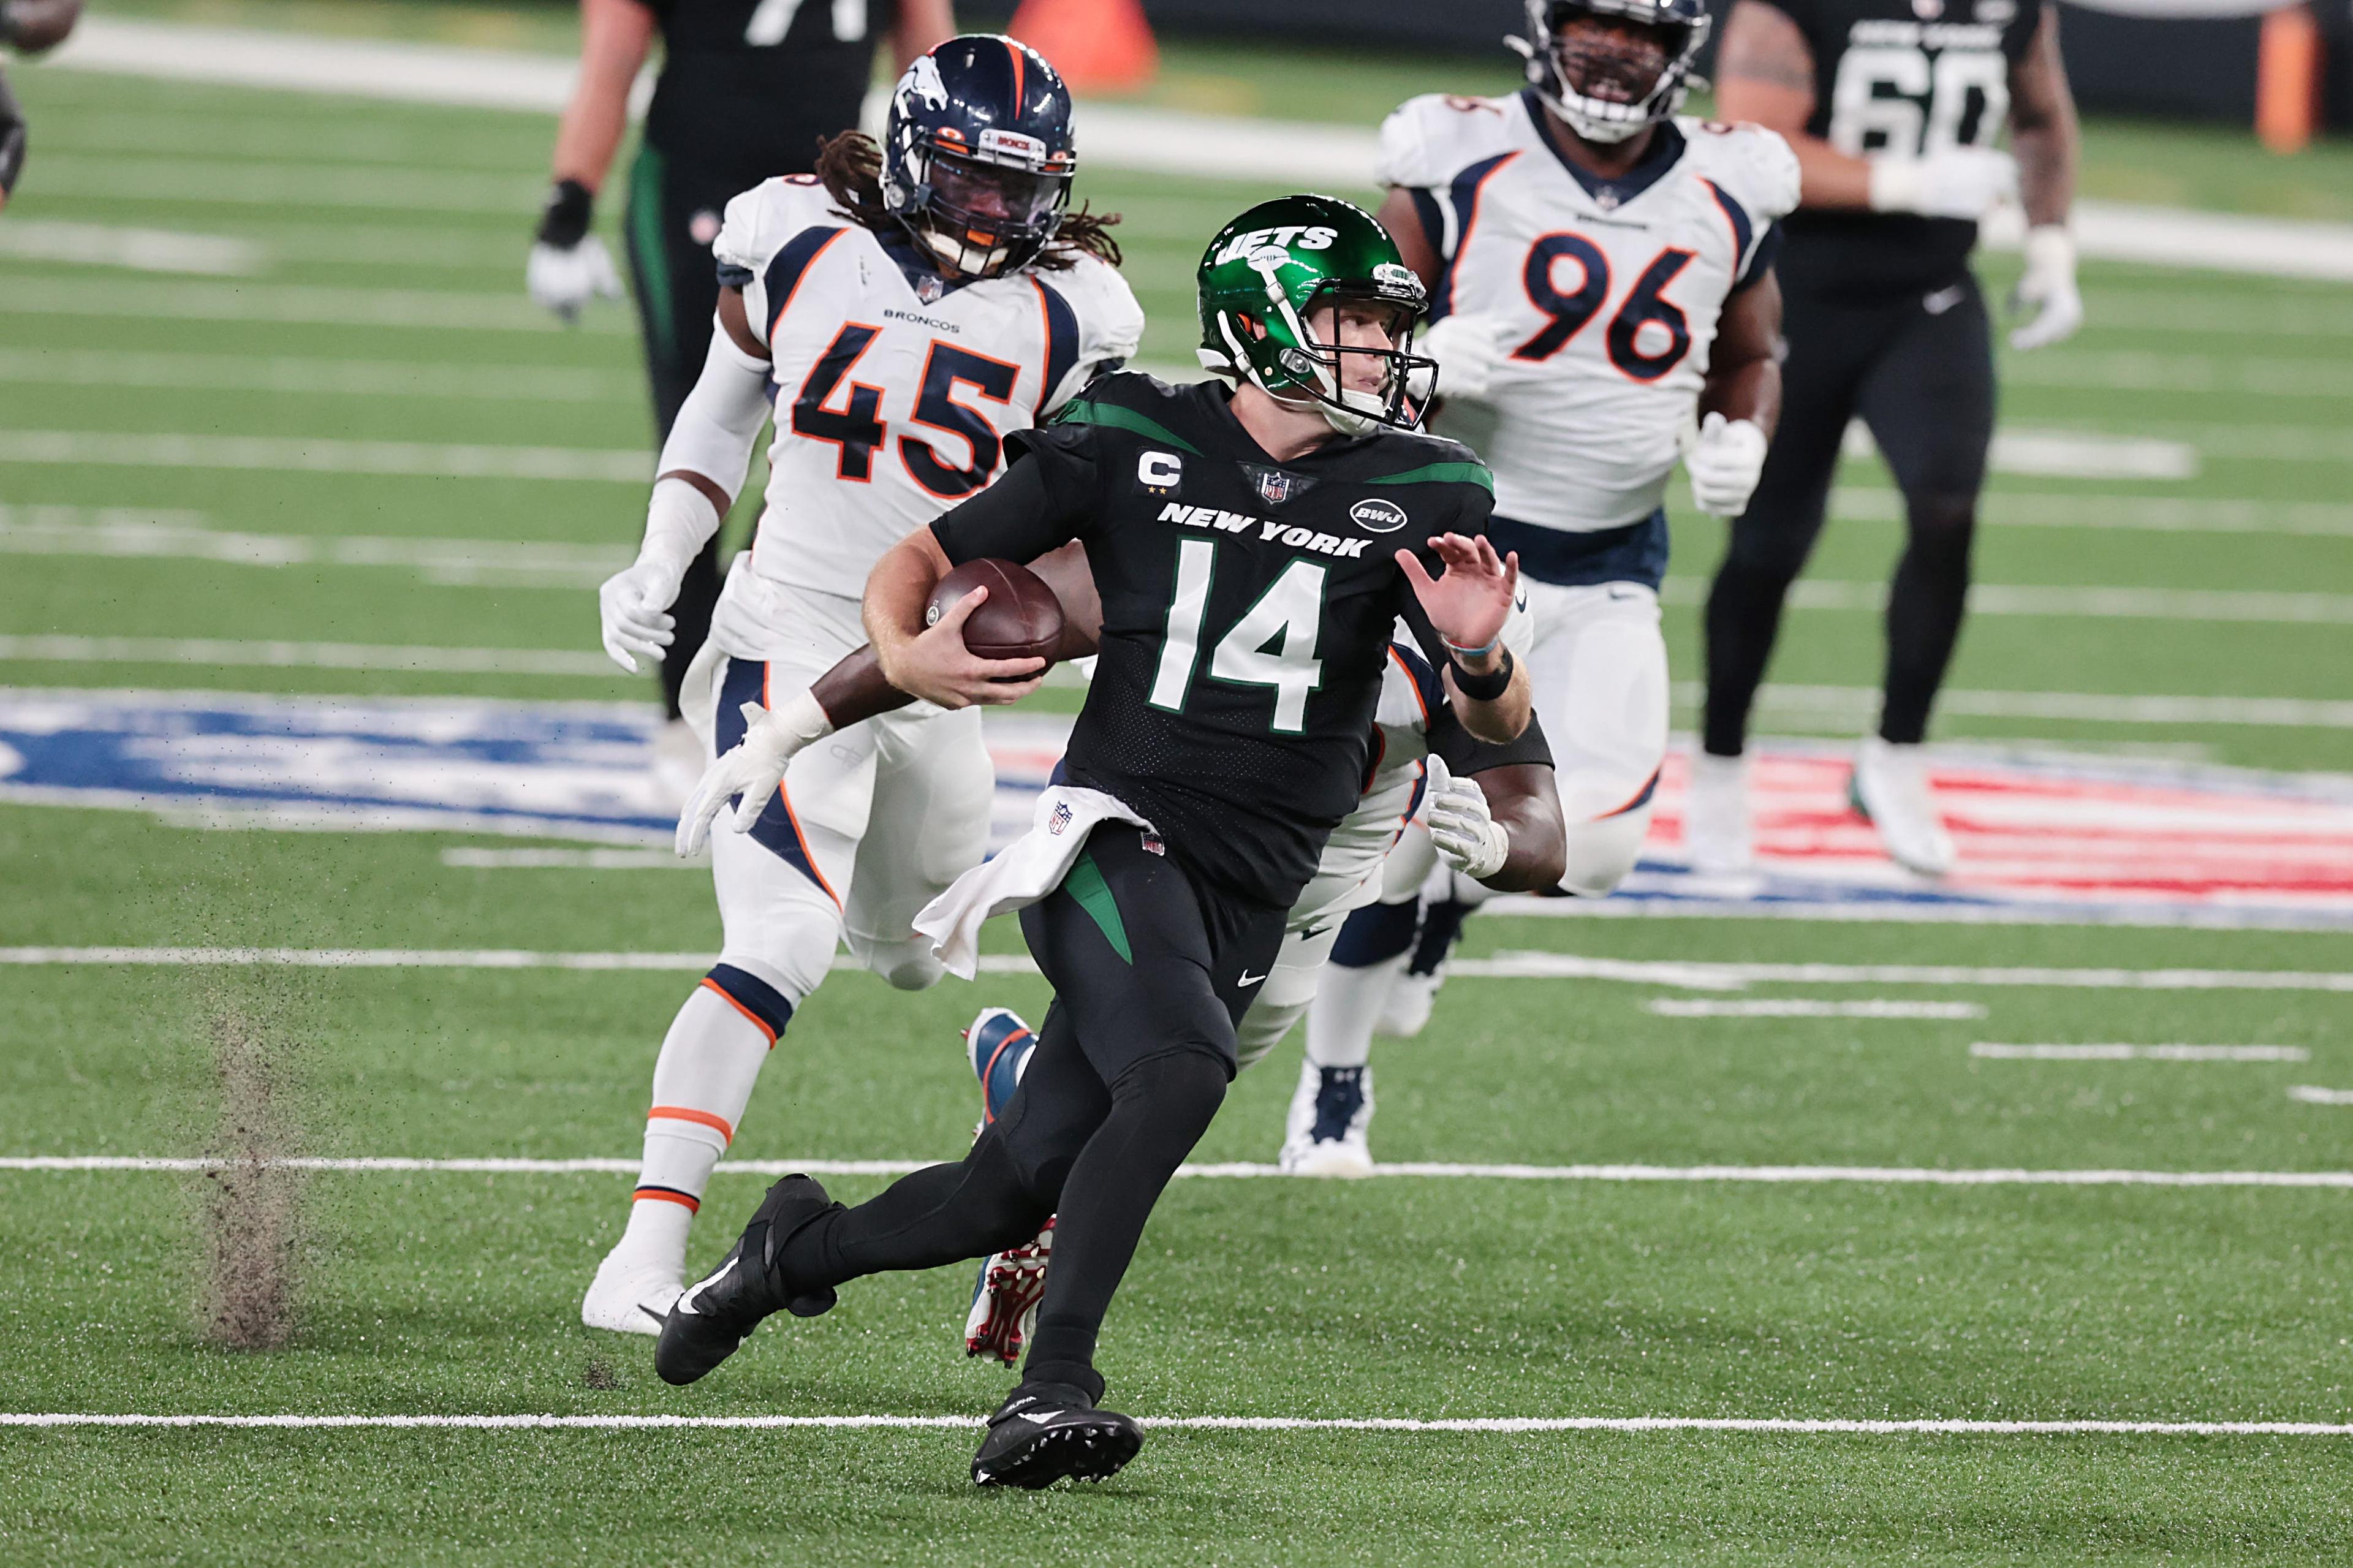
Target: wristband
(1482,688)
(564,221)
(1481,651)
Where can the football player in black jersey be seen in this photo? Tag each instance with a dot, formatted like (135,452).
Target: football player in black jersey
(31,25)
(1253,547)
(747,89)
(1893,107)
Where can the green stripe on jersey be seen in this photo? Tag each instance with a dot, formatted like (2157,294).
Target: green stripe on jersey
(1442,474)
(1118,418)
(1086,884)
(646,245)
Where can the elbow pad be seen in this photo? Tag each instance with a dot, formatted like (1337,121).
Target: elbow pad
(722,418)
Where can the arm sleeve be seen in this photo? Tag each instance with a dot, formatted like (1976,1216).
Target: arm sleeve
(720,421)
(1464,753)
(1045,500)
(12,138)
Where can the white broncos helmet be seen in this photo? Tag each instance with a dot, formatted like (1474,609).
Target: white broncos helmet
(1602,110)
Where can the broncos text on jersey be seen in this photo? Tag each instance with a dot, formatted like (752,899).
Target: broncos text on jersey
(1608,293)
(894,393)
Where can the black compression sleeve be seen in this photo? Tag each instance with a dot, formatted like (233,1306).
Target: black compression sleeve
(1464,753)
(12,138)
(1045,500)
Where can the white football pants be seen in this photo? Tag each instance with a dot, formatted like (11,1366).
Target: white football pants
(1599,672)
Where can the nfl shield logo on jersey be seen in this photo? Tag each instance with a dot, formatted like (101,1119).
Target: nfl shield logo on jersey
(1061,821)
(929,288)
(1274,486)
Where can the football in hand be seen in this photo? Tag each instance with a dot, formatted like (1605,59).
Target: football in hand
(1020,619)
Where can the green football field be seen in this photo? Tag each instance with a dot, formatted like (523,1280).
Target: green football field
(324,468)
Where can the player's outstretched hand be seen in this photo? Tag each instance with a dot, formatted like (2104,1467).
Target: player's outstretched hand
(1960,182)
(1465,833)
(936,666)
(2048,289)
(563,280)
(1725,465)
(1469,604)
(747,772)
(634,605)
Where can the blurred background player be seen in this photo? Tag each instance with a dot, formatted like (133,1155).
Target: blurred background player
(1602,287)
(31,27)
(747,91)
(913,306)
(1893,107)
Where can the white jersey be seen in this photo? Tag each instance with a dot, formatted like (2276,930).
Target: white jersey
(894,396)
(1606,294)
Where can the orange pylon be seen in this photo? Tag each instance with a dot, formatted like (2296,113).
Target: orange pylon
(1099,46)
(2287,79)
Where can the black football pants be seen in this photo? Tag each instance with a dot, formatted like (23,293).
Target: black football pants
(1918,370)
(1131,1063)
(677,286)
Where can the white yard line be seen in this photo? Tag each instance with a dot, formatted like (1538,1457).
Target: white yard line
(1116,136)
(132,249)
(307,304)
(2125,370)
(323,456)
(445,561)
(2311,1095)
(308,377)
(2088,707)
(1812,1007)
(305,655)
(1994,1051)
(1680,974)
(2153,514)
(1770,1175)
(1501,1424)
(570,859)
(2103,603)
(280,184)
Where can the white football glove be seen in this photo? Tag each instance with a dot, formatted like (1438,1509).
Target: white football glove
(634,604)
(1724,465)
(1468,838)
(564,280)
(1467,349)
(2048,289)
(749,772)
(1960,182)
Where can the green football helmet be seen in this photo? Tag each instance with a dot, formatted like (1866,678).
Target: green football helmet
(1263,282)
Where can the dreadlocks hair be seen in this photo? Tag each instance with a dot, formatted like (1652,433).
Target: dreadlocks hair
(849,166)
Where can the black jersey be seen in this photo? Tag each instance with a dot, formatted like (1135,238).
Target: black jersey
(1908,78)
(748,86)
(1247,609)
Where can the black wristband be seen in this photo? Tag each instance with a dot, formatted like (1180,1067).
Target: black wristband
(1482,688)
(570,206)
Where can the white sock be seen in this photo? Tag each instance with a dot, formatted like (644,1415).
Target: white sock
(702,1080)
(1348,1002)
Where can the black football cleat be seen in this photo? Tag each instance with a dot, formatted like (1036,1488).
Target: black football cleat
(713,1316)
(1050,1430)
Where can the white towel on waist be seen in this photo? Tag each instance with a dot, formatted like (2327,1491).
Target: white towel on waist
(1019,875)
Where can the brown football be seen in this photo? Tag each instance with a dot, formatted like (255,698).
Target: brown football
(1020,619)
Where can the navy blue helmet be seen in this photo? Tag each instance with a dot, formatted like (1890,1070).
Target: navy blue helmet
(977,154)
(1610,81)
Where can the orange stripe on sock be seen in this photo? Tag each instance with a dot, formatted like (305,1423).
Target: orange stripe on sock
(750,1016)
(1003,1045)
(700,1118)
(663,1194)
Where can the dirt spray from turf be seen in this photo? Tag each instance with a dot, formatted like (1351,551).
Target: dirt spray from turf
(249,1205)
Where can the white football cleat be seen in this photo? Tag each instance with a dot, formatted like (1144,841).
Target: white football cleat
(1331,1112)
(678,764)
(1719,836)
(1411,996)
(1004,1314)
(1890,788)
(632,1294)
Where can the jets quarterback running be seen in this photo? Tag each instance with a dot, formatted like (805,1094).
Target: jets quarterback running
(1603,297)
(908,309)
(1254,544)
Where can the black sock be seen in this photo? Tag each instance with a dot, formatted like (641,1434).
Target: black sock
(1925,605)
(941,1214)
(1441,927)
(1160,1107)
